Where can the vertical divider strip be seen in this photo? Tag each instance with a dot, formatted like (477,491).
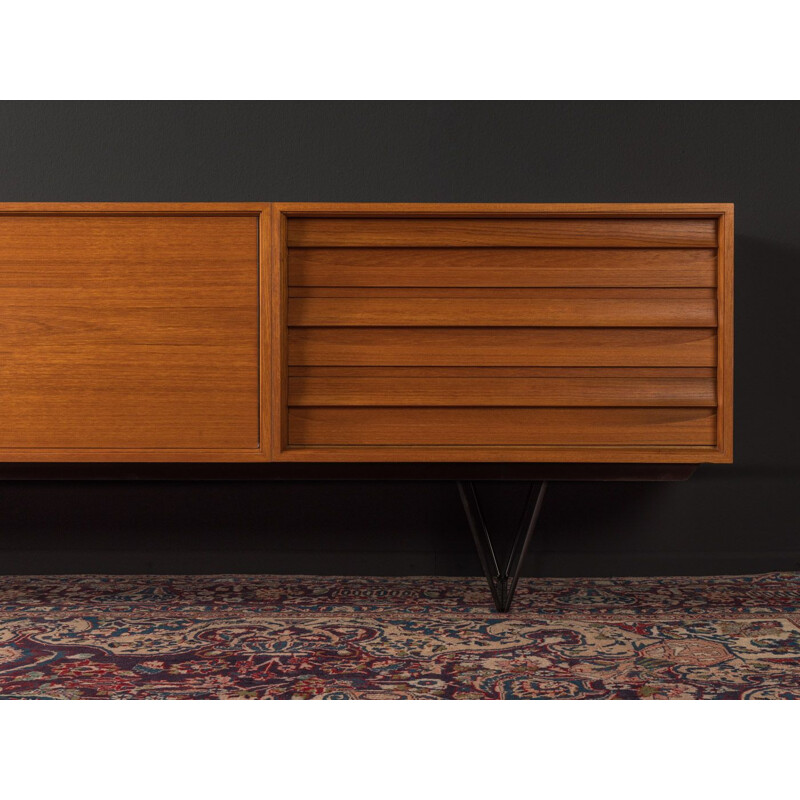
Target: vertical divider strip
(278,282)
(264,331)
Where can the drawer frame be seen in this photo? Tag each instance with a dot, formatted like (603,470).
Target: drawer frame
(721,452)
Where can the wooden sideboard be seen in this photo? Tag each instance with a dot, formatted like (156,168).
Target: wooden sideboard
(366,333)
(319,332)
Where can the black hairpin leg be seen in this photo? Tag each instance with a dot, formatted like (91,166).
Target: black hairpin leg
(502,583)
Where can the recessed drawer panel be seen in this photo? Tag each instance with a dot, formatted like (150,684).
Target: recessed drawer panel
(502,266)
(409,232)
(617,308)
(409,386)
(355,427)
(499,347)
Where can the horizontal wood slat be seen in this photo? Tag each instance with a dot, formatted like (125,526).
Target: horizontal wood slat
(422,373)
(501,426)
(410,232)
(24,329)
(690,308)
(494,391)
(535,347)
(54,248)
(71,367)
(489,293)
(501,267)
(117,296)
(124,415)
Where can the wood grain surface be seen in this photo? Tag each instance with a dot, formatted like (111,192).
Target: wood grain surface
(535,347)
(493,390)
(618,308)
(510,266)
(413,232)
(124,332)
(354,427)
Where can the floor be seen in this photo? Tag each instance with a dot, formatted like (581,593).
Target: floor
(306,637)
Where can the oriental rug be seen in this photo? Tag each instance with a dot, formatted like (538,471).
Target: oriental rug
(307,637)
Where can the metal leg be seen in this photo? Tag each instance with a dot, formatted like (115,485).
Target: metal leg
(502,583)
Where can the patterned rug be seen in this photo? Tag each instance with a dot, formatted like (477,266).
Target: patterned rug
(225,637)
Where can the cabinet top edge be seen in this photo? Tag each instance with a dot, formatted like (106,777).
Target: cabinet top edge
(134,208)
(400,209)
(505,209)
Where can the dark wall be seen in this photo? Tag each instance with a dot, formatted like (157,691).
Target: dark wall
(737,518)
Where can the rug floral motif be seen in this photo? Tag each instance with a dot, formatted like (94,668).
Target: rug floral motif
(306,637)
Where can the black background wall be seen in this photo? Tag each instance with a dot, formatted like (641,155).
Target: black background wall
(737,518)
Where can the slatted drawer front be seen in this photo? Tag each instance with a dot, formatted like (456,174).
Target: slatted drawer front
(524,332)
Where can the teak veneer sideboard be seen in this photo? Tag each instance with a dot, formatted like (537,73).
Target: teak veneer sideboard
(366,332)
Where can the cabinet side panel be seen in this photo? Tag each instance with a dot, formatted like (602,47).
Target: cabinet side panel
(725,338)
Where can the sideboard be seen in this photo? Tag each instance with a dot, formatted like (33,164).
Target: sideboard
(367,334)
